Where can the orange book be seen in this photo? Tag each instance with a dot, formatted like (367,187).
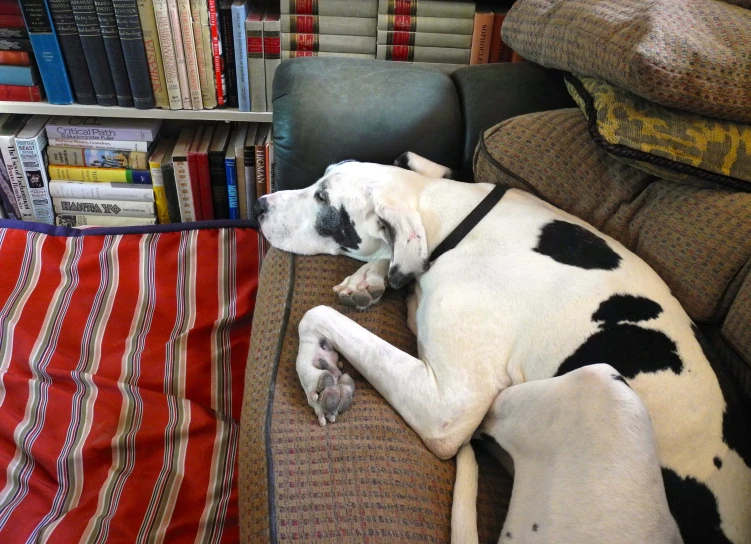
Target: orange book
(481,35)
(499,50)
(17,58)
(516,57)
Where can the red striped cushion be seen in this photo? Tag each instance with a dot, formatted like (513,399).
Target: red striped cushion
(122,354)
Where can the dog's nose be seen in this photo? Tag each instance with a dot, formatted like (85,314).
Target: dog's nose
(260,207)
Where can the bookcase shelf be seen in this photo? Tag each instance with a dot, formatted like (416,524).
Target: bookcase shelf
(78,110)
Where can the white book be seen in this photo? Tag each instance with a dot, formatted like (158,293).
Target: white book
(164,29)
(177,40)
(8,132)
(202,37)
(90,206)
(81,220)
(272,49)
(296,54)
(182,175)
(103,128)
(118,145)
(109,191)
(256,66)
(240,10)
(31,142)
(191,61)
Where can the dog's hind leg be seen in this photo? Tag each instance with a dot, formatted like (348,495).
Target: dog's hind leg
(423,166)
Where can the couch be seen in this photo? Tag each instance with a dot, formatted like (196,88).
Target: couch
(368,478)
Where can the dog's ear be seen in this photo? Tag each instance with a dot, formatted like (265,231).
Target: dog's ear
(402,228)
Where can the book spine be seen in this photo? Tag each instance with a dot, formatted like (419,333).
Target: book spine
(295,54)
(160,196)
(87,23)
(219,186)
(73,55)
(21,93)
(199,11)
(250,178)
(164,30)
(427,8)
(272,53)
(14,33)
(31,155)
(481,37)
(96,129)
(47,51)
(26,76)
(424,39)
(271,166)
(336,8)
(256,66)
(16,44)
(204,180)
(260,170)
(8,201)
(131,40)
(195,186)
(439,25)
(184,191)
(333,44)
(228,46)
(112,46)
(77,173)
(16,178)
(100,144)
(239,145)
(239,14)
(182,68)
(191,61)
(422,54)
(82,220)
(16,58)
(170,189)
(153,52)
(96,158)
(106,191)
(217,54)
(89,206)
(230,168)
(12,21)
(314,24)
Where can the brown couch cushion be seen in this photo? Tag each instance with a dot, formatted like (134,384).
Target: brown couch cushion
(697,236)
(687,54)
(365,476)
(737,327)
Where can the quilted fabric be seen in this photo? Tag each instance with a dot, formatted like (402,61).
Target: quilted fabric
(365,478)
(121,361)
(693,55)
(664,141)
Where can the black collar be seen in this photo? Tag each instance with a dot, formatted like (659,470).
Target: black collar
(469,222)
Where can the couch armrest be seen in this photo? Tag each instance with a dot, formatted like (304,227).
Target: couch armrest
(330,109)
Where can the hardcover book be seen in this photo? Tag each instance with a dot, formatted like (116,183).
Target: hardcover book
(30,143)
(182,68)
(295,54)
(13,32)
(248,193)
(315,24)
(111,191)
(337,8)
(114,50)
(21,93)
(16,44)
(239,144)
(425,39)
(153,50)
(412,23)
(92,42)
(97,158)
(82,220)
(202,39)
(88,206)
(217,52)
(195,179)
(191,61)
(481,35)
(17,58)
(260,162)
(157,180)
(256,66)
(182,175)
(169,59)
(103,128)
(230,169)
(217,151)
(99,144)
(228,46)
(19,75)
(73,54)
(499,51)
(204,173)
(7,200)
(331,43)
(240,10)
(428,8)
(78,173)
(170,190)
(423,54)
(272,50)
(8,132)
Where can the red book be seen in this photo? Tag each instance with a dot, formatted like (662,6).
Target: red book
(499,51)
(22,94)
(11,20)
(17,58)
(10,7)
(195,182)
(204,173)
(217,53)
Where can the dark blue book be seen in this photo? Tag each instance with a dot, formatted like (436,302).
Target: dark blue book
(113,47)
(230,168)
(73,55)
(92,43)
(131,39)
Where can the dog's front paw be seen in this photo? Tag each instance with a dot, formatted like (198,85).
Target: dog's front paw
(366,286)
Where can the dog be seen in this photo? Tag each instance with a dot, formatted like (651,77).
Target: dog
(530,293)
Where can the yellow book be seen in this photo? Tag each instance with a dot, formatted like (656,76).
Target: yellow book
(75,173)
(160,196)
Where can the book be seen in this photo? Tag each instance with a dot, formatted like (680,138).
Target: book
(410,23)
(17,32)
(481,35)
(153,50)
(217,151)
(16,58)
(155,166)
(217,53)
(97,158)
(102,191)
(7,200)
(170,189)
(26,76)
(74,220)
(260,162)
(88,206)
(424,39)
(114,50)
(516,57)
(272,51)
(10,7)
(169,60)
(270,177)
(295,54)
(182,175)
(92,42)
(316,24)
(248,181)
(103,128)
(331,43)
(30,143)
(12,20)
(79,173)
(99,144)
(73,54)
(47,51)
(230,170)
(204,173)
(228,46)
(256,64)
(423,54)
(428,8)
(239,143)
(240,10)
(338,8)
(11,127)
(202,40)
(191,61)
(21,93)
(195,180)
(179,50)
(499,51)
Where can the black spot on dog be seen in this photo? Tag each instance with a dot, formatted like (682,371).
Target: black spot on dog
(717,462)
(694,508)
(619,378)
(736,420)
(620,308)
(574,245)
(508,535)
(534,527)
(402,161)
(397,278)
(337,224)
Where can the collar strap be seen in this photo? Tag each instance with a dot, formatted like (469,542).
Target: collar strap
(469,222)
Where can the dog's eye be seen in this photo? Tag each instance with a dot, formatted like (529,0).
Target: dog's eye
(319,197)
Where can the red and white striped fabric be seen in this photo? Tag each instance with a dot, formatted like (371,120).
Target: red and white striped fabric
(122,356)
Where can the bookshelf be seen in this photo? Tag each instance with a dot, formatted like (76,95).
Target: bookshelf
(78,110)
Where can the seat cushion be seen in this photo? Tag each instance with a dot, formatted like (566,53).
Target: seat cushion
(367,476)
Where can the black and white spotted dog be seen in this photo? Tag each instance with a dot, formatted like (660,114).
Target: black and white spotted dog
(530,293)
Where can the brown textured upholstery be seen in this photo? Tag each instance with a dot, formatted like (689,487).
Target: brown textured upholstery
(697,235)
(365,476)
(737,326)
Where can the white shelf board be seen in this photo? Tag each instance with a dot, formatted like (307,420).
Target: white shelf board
(78,110)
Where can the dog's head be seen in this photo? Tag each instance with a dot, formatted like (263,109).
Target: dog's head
(367,211)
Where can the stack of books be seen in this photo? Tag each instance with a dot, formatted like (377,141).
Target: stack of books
(19,77)
(337,28)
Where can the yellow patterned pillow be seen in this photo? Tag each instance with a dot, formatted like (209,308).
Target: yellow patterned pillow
(670,143)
